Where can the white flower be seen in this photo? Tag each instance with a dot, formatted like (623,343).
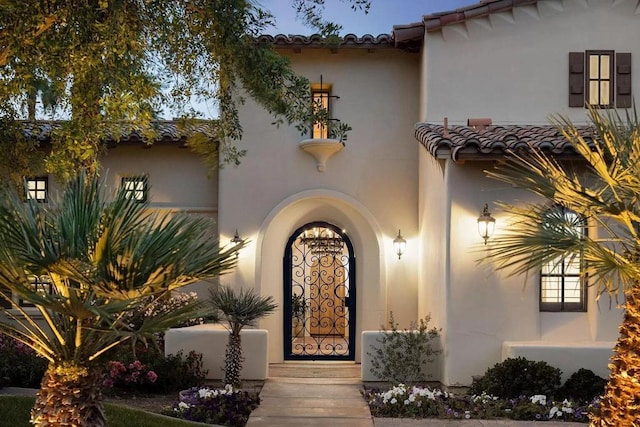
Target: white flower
(539,398)
(394,401)
(183,405)
(406,402)
(467,414)
(555,412)
(205,393)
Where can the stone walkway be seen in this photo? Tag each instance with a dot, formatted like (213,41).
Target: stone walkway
(311,402)
(312,394)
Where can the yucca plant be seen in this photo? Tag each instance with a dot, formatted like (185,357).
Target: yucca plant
(239,308)
(104,254)
(605,190)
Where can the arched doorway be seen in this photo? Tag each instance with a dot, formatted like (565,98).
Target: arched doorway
(319,294)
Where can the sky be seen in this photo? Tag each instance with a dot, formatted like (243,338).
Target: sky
(382,16)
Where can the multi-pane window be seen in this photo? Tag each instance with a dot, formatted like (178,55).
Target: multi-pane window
(563,279)
(38,188)
(600,78)
(320,98)
(135,187)
(39,284)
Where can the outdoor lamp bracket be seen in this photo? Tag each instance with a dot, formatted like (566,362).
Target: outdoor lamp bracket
(235,241)
(486,224)
(399,244)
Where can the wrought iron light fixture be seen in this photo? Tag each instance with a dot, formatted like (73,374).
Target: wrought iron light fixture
(399,244)
(323,241)
(486,224)
(235,242)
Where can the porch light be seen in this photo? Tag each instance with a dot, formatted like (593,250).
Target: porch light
(235,241)
(323,241)
(399,244)
(486,224)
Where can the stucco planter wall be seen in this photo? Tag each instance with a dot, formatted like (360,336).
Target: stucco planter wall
(211,340)
(568,356)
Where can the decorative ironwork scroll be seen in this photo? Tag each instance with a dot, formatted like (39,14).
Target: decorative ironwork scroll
(319,294)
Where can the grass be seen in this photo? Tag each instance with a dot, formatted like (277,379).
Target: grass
(15,412)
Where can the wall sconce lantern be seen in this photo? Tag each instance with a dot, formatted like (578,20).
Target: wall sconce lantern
(486,224)
(235,241)
(399,244)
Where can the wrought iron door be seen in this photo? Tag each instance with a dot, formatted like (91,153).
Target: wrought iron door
(319,294)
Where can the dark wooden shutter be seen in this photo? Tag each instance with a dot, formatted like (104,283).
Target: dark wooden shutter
(623,80)
(576,79)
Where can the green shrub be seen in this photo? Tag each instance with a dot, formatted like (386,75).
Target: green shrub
(403,354)
(19,365)
(583,385)
(173,372)
(178,372)
(515,377)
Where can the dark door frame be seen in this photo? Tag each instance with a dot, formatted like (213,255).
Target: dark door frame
(350,301)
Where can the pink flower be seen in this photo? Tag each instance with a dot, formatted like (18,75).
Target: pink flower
(152,376)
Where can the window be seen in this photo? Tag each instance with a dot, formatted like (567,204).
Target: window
(38,189)
(563,279)
(320,98)
(41,285)
(600,78)
(135,187)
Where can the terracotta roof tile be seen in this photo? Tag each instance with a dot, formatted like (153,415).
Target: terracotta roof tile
(410,36)
(466,143)
(436,21)
(169,131)
(316,41)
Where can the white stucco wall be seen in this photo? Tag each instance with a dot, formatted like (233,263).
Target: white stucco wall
(513,66)
(486,308)
(178,179)
(369,188)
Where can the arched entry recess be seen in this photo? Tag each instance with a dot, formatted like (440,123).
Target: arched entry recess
(319,294)
(365,235)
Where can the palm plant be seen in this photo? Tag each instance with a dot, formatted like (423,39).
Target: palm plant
(239,308)
(605,190)
(104,254)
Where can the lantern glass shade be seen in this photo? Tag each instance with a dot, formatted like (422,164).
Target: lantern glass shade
(486,224)
(399,245)
(236,240)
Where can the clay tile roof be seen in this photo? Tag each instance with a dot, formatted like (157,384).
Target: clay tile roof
(494,142)
(438,20)
(167,131)
(410,36)
(297,41)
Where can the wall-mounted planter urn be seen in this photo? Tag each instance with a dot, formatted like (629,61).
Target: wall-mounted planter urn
(321,149)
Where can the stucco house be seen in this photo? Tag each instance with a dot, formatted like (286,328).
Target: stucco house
(431,106)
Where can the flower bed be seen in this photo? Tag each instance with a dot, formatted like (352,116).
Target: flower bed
(422,402)
(226,406)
